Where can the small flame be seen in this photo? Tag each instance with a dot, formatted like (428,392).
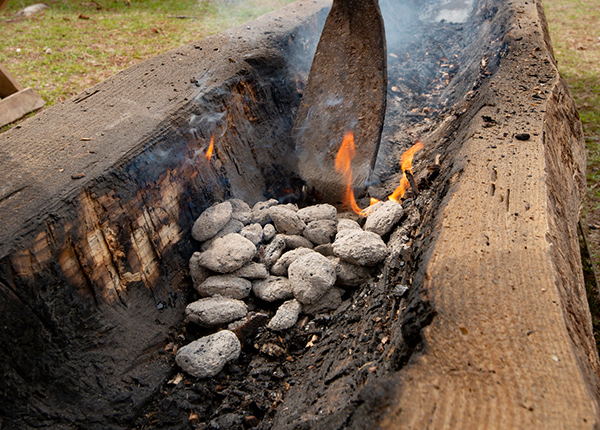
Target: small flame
(405,164)
(343,165)
(211,147)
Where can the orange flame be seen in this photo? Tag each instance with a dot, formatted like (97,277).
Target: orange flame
(405,164)
(211,147)
(343,165)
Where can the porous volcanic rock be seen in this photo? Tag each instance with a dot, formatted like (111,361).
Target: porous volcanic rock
(286,316)
(317,212)
(211,221)
(214,311)
(321,231)
(228,253)
(226,286)
(346,223)
(384,217)
(280,268)
(253,232)
(286,220)
(272,289)
(273,251)
(260,211)
(311,276)
(364,248)
(206,357)
(252,270)
(241,211)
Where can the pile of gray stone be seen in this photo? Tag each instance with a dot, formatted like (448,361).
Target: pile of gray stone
(302,260)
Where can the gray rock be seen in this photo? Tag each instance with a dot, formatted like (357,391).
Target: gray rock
(215,311)
(272,289)
(211,221)
(364,248)
(233,226)
(269,232)
(326,249)
(228,253)
(197,272)
(253,232)
(293,241)
(350,275)
(252,270)
(346,223)
(321,231)
(240,211)
(260,211)
(311,276)
(273,251)
(286,316)
(280,268)
(286,220)
(316,212)
(330,301)
(384,217)
(226,286)
(291,206)
(206,357)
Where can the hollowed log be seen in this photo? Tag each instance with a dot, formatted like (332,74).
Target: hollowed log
(100,192)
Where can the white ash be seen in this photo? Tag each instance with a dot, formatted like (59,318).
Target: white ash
(228,253)
(311,276)
(273,288)
(321,231)
(269,232)
(226,286)
(211,221)
(293,241)
(286,220)
(318,212)
(286,316)
(252,270)
(384,217)
(280,268)
(253,232)
(273,251)
(260,211)
(206,357)
(360,247)
(215,311)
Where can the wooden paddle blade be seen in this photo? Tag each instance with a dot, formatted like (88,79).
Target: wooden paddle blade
(346,91)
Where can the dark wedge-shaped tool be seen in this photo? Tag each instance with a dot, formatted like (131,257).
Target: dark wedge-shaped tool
(346,91)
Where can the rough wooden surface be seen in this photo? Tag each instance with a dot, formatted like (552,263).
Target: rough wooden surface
(8,83)
(97,200)
(18,105)
(511,345)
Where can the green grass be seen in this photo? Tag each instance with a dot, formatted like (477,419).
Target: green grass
(76,44)
(575,31)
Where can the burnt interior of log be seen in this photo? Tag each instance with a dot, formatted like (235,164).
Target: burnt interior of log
(94,271)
